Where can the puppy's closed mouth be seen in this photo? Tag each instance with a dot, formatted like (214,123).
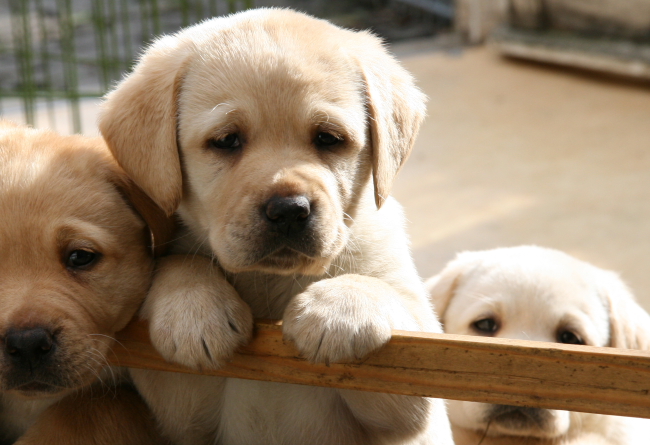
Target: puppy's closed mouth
(518,418)
(284,258)
(35,387)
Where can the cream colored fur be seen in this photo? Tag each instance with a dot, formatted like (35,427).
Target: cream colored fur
(535,293)
(276,79)
(59,194)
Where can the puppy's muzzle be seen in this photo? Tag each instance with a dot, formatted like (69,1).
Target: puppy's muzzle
(30,360)
(289,232)
(288,216)
(29,349)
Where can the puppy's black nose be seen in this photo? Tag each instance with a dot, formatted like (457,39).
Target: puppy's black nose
(29,347)
(289,215)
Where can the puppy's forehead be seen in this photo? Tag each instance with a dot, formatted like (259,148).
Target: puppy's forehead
(264,68)
(533,293)
(29,157)
(45,186)
(527,282)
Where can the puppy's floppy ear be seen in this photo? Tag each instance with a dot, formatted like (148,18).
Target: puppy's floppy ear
(442,287)
(139,118)
(629,323)
(160,226)
(396,108)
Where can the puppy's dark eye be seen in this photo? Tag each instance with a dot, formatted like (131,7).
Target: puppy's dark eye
(486,326)
(569,338)
(81,259)
(324,139)
(228,142)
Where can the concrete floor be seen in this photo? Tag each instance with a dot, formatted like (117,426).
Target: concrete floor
(514,153)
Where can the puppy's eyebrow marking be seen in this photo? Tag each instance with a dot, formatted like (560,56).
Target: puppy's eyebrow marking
(320,115)
(323,117)
(330,125)
(218,105)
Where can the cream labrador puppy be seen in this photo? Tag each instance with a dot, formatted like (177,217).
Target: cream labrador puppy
(534,293)
(74,268)
(275,137)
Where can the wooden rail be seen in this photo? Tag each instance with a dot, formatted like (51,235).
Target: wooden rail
(514,372)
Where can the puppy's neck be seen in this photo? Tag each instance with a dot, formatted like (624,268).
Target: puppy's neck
(267,294)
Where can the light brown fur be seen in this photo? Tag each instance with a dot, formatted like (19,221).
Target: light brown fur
(59,194)
(277,79)
(534,293)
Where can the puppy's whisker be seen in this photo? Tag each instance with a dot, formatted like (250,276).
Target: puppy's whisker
(92,370)
(107,336)
(110,338)
(103,385)
(91,357)
(487,427)
(79,378)
(178,238)
(104,361)
(295,279)
(196,248)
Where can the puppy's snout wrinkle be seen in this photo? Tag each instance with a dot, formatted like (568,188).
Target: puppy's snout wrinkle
(288,215)
(29,347)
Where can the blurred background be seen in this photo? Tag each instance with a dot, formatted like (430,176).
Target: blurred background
(538,128)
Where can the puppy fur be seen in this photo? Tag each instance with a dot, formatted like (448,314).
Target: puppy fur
(220,123)
(534,293)
(60,197)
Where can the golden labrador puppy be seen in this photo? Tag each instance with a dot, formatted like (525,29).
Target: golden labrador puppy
(74,268)
(533,293)
(275,137)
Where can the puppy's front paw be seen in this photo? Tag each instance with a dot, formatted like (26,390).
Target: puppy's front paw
(343,319)
(196,318)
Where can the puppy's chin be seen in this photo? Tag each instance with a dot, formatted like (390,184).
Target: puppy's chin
(45,383)
(40,390)
(506,420)
(526,422)
(283,262)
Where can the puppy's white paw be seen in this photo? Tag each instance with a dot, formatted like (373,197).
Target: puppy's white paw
(196,318)
(344,319)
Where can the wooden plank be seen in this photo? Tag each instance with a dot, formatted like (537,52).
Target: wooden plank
(525,373)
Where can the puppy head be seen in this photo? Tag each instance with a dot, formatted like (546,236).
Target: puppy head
(263,130)
(74,260)
(532,293)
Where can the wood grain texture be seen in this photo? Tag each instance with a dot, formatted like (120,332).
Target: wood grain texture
(515,372)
